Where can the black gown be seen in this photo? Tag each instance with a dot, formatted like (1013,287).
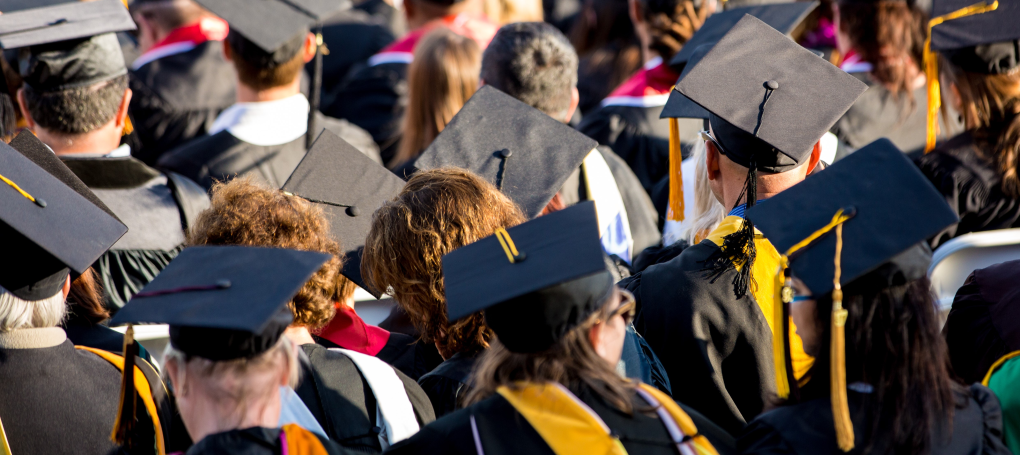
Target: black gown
(717,349)
(807,428)
(503,430)
(222,156)
(878,113)
(340,399)
(972,187)
(254,441)
(352,37)
(176,98)
(447,385)
(400,351)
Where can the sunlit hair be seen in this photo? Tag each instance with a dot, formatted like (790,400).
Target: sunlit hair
(85,298)
(572,362)
(890,36)
(708,211)
(991,112)
(234,385)
(443,75)
(437,212)
(16,313)
(504,12)
(265,78)
(245,212)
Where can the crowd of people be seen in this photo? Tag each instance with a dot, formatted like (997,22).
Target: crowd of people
(606,226)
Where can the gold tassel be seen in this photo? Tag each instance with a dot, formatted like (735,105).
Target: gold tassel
(124,426)
(837,351)
(783,297)
(931,67)
(675,212)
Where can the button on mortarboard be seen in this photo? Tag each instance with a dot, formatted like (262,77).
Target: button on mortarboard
(774,128)
(349,187)
(521,150)
(224,302)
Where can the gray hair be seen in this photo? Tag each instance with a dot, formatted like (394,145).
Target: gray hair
(533,62)
(17,313)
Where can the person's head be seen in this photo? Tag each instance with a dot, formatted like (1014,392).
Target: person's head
(586,355)
(437,212)
(420,12)
(261,71)
(889,35)
(535,63)
(443,75)
(708,210)
(216,396)
(601,23)
(85,298)
(244,212)
(17,313)
(156,19)
(663,26)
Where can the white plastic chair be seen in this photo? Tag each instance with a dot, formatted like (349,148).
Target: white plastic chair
(954,261)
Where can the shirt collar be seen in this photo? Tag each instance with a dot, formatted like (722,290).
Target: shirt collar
(46,337)
(123,151)
(265,122)
(740,209)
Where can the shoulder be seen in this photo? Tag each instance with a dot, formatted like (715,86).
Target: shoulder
(176,80)
(978,420)
(799,428)
(201,150)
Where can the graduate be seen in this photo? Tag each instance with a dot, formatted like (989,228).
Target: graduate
(228,359)
(703,312)
(976,56)
(58,397)
(75,98)
(547,385)
(853,277)
(266,132)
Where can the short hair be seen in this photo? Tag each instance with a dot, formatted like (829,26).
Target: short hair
(264,77)
(169,15)
(533,62)
(76,110)
(17,313)
(437,212)
(244,212)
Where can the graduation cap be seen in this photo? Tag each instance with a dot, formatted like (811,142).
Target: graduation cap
(978,37)
(522,151)
(840,227)
(349,187)
(67,45)
(535,281)
(47,228)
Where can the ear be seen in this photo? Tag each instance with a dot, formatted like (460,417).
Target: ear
(595,336)
(23,107)
(575,100)
(712,161)
(122,111)
(308,52)
(635,12)
(172,370)
(66,289)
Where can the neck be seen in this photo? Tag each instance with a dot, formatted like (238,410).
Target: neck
(767,186)
(209,418)
(102,140)
(299,335)
(246,94)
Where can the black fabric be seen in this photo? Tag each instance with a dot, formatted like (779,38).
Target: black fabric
(177,98)
(716,348)
(353,37)
(658,254)
(191,199)
(375,99)
(220,344)
(81,332)
(447,385)
(253,441)
(879,113)
(984,43)
(71,64)
(984,322)
(270,32)
(393,18)
(502,430)
(221,156)
(341,400)
(807,428)
(110,173)
(123,273)
(972,187)
(73,397)
(400,351)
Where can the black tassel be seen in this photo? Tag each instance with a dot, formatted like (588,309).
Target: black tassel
(124,427)
(8,115)
(738,248)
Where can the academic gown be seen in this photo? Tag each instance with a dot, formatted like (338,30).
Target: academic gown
(399,350)
(807,428)
(972,187)
(222,156)
(448,383)
(56,399)
(81,332)
(628,122)
(878,113)
(503,430)
(156,207)
(176,98)
(339,397)
(352,37)
(264,441)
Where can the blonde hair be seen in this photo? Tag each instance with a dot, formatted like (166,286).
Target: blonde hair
(17,313)
(443,75)
(708,211)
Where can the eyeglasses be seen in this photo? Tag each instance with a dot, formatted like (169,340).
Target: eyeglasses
(627,309)
(801,298)
(707,137)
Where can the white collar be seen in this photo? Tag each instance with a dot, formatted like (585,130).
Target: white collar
(162,51)
(46,337)
(265,122)
(123,151)
(651,64)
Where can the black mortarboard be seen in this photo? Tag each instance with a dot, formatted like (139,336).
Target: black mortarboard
(67,45)
(523,151)
(534,281)
(680,106)
(763,92)
(47,228)
(878,229)
(349,187)
(224,302)
(985,42)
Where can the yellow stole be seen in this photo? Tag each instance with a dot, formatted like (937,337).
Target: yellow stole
(763,286)
(570,427)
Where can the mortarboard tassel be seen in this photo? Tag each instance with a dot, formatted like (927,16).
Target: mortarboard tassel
(783,297)
(123,427)
(931,67)
(837,351)
(675,211)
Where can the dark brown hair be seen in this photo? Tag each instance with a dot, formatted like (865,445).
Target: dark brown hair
(86,298)
(991,112)
(890,35)
(571,362)
(606,44)
(437,212)
(671,23)
(243,212)
(259,78)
